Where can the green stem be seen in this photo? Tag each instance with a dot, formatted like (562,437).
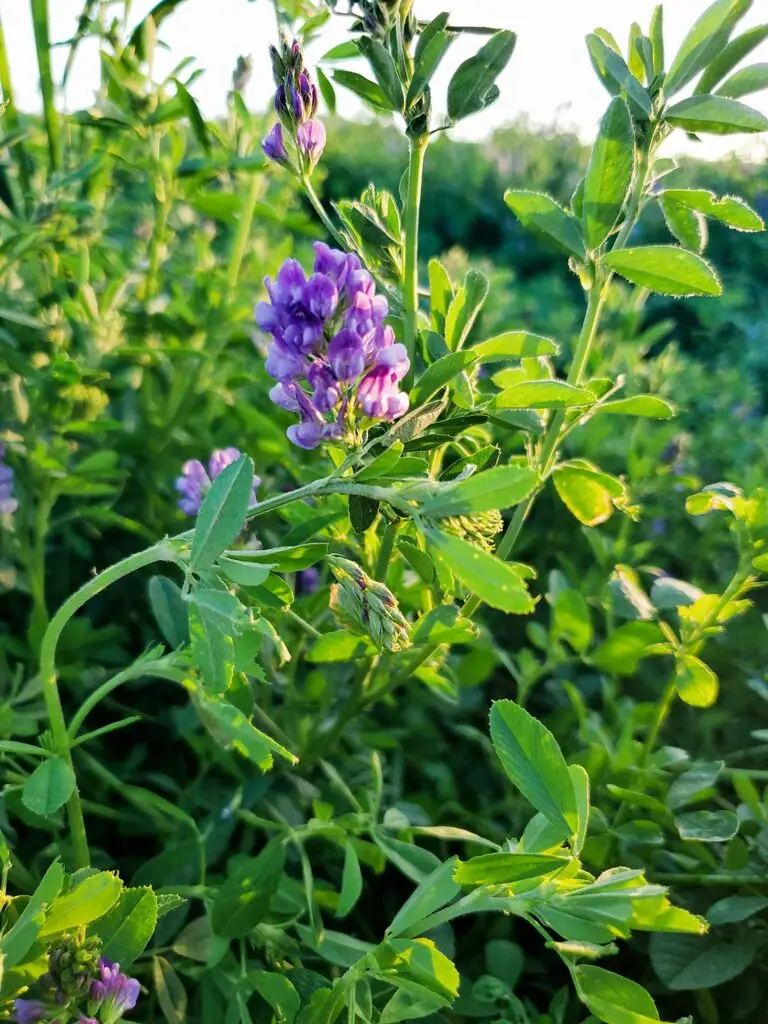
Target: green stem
(61,739)
(302,623)
(417,153)
(319,209)
(385,551)
(685,879)
(159,669)
(12,119)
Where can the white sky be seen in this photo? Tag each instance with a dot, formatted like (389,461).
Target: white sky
(549,78)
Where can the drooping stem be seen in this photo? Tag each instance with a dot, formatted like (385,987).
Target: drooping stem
(61,740)
(417,149)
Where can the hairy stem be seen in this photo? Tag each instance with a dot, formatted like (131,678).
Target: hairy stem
(320,210)
(61,738)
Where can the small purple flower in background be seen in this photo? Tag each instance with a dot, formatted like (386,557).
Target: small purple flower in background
(307,581)
(113,993)
(328,330)
(195,481)
(296,100)
(87,1020)
(8,503)
(28,1011)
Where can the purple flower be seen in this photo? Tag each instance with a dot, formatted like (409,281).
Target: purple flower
(307,581)
(194,482)
(331,352)
(28,1011)
(326,393)
(113,993)
(274,146)
(346,355)
(8,503)
(310,138)
(87,1020)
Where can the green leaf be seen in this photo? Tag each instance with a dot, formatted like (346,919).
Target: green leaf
(415,862)
(382,465)
(612,998)
(707,826)
(543,394)
(506,868)
(351,882)
(230,727)
(88,901)
(688,226)
(668,592)
(433,893)
(665,269)
(278,991)
(656,35)
(581,789)
(729,210)
(440,294)
(747,80)
(368,91)
(497,488)
(363,512)
(284,559)
(127,927)
(429,53)
(495,582)
(169,610)
(49,786)
(212,650)
(693,785)
(222,513)
(244,574)
(17,941)
(588,493)
(572,619)
(418,966)
(418,560)
(243,899)
(695,682)
(192,111)
(687,962)
(704,42)
(514,345)
(715,115)
(171,994)
(613,72)
(727,59)
(339,645)
(533,761)
(609,173)
(734,909)
(645,406)
(326,88)
(472,86)
(384,69)
(439,374)
(625,646)
(541,215)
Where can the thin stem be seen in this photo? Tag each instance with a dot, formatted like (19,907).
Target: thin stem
(160,668)
(61,740)
(302,623)
(417,153)
(319,209)
(385,551)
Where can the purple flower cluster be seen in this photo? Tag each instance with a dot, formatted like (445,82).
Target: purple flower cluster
(28,1011)
(296,101)
(329,331)
(195,481)
(113,992)
(8,503)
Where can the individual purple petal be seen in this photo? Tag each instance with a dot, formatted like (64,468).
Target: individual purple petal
(288,289)
(359,316)
(321,296)
(283,362)
(378,392)
(325,388)
(358,280)
(395,358)
(192,485)
(274,146)
(282,395)
(310,139)
(220,459)
(266,317)
(305,435)
(346,355)
(329,261)
(28,1011)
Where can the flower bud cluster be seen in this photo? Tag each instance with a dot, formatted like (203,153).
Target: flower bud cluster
(366,607)
(480,528)
(297,141)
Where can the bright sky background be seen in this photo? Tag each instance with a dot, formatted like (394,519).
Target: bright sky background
(549,78)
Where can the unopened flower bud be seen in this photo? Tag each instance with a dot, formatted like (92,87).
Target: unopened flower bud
(479,529)
(367,607)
